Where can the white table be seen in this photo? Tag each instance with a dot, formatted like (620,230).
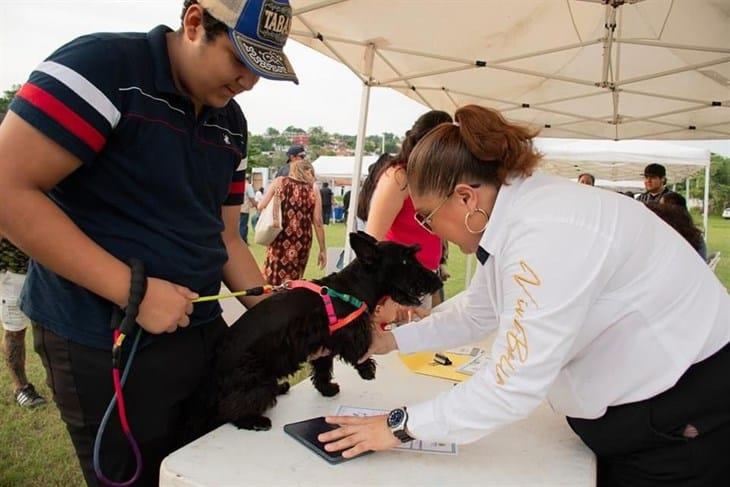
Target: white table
(539,451)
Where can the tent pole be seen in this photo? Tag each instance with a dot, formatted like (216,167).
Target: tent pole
(686,188)
(707,200)
(359,146)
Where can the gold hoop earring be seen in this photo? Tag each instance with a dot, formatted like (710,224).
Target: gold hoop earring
(470,214)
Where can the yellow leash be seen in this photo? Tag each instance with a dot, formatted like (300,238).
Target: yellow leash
(256,291)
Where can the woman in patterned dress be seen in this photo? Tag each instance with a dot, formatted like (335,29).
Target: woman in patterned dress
(301,209)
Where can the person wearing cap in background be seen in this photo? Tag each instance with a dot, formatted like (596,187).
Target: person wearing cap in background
(127,146)
(655,179)
(587,179)
(296,152)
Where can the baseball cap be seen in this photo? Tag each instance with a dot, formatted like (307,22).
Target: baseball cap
(258,29)
(296,150)
(655,170)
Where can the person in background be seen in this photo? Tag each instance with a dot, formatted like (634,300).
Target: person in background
(301,210)
(587,179)
(368,188)
(258,197)
(13,268)
(391,215)
(655,180)
(248,207)
(346,203)
(327,197)
(672,208)
(296,152)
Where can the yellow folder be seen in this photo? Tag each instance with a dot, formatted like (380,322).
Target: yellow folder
(423,363)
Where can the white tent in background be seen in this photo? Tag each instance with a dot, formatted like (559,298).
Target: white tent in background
(620,161)
(340,167)
(617,164)
(603,69)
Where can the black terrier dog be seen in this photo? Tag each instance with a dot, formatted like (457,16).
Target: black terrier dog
(272,339)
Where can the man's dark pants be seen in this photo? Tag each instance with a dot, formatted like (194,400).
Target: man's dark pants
(160,394)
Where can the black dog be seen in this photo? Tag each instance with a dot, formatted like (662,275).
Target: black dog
(270,341)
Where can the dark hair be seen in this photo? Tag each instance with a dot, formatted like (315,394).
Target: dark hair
(213,27)
(325,184)
(482,148)
(593,179)
(423,125)
(679,219)
(368,186)
(675,199)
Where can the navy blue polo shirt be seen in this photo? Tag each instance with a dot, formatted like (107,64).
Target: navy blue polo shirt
(154,176)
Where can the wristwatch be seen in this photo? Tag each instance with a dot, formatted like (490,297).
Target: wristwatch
(397,422)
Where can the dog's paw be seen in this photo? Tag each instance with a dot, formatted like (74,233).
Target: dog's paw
(283,388)
(329,389)
(367,369)
(254,423)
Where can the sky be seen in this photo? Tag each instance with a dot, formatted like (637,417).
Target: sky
(328,94)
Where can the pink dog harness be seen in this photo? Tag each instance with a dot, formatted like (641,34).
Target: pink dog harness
(325,293)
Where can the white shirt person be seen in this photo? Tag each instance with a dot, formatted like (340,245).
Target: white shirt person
(599,307)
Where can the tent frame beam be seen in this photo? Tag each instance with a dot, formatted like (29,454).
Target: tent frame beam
(669,45)
(670,72)
(317,6)
(359,149)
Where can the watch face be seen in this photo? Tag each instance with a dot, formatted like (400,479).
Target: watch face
(396,417)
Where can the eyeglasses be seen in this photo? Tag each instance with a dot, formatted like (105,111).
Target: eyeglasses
(425,221)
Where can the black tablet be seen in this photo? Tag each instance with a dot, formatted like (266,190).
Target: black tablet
(306,432)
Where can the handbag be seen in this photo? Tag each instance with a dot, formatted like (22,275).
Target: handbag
(269,224)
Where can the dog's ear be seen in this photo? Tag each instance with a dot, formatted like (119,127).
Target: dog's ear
(365,247)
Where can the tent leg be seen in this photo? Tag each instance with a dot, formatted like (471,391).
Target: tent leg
(359,147)
(706,201)
(686,188)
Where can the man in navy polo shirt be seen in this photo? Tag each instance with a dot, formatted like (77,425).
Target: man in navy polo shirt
(127,146)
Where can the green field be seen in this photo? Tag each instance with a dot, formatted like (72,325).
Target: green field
(36,450)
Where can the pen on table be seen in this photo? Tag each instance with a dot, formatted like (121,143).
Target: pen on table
(442,359)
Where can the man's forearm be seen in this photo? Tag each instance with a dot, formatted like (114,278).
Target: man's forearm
(241,271)
(38,227)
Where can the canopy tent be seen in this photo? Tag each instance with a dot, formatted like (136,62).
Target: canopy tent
(613,164)
(606,69)
(340,167)
(621,161)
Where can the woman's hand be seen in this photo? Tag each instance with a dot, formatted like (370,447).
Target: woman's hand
(357,435)
(165,307)
(322,259)
(383,342)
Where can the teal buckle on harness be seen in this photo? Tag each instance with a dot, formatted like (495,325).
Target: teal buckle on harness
(343,297)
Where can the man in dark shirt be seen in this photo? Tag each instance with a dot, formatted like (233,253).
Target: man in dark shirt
(655,180)
(327,198)
(297,152)
(125,146)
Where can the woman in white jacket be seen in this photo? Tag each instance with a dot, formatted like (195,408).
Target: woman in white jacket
(599,307)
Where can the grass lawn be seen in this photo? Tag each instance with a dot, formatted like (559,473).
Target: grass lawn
(36,450)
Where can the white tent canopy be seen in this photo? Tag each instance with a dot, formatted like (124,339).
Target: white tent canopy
(620,161)
(599,69)
(335,167)
(650,69)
